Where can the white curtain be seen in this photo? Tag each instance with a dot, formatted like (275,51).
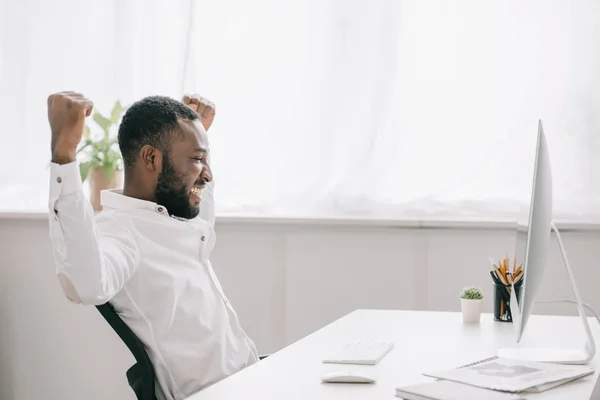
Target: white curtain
(337,108)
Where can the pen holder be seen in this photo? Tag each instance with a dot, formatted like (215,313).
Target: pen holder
(502,295)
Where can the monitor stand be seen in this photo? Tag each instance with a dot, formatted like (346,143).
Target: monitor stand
(559,356)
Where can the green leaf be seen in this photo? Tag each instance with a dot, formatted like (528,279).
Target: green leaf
(86,144)
(115,114)
(86,133)
(84,169)
(104,122)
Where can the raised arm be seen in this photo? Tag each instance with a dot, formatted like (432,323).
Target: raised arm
(91,267)
(206,109)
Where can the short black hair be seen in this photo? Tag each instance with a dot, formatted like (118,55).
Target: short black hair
(150,121)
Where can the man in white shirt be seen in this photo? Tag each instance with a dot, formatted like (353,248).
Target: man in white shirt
(147,251)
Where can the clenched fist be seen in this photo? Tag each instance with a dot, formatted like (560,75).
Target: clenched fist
(204,107)
(67,112)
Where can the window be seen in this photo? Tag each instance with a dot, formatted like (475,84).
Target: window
(390,109)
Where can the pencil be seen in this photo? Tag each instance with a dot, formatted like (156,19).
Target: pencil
(514,265)
(518,277)
(495,278)
(518,269)
(500,276)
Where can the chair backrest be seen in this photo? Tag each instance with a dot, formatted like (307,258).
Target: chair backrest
(141,376)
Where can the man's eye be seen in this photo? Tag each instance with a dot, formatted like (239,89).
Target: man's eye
(199,159)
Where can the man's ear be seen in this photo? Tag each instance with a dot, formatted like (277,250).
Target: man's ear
(151,158)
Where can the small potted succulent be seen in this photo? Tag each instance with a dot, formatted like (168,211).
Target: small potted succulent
(471,299)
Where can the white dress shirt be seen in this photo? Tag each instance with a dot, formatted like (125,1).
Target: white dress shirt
(154,270)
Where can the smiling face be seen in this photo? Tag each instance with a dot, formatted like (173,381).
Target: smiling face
(185,171)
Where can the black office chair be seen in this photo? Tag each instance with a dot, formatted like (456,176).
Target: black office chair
(141,375)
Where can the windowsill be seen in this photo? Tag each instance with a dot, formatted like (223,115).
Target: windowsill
(507,224)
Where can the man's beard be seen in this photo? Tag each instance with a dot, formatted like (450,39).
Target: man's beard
(171,192)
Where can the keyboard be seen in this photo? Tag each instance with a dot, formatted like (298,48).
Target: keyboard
(364,352)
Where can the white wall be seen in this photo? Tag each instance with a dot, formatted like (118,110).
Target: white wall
(285,280)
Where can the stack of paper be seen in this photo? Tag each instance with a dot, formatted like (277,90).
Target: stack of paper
(514,375)
(448,390)
(494,378)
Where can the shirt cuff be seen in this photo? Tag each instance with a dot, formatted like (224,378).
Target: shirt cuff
(64,179)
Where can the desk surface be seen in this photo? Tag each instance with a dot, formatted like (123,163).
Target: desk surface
(423,341)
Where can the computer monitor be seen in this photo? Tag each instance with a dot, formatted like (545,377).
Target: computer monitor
(539,230)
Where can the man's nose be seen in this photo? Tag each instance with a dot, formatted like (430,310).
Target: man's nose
(206,175)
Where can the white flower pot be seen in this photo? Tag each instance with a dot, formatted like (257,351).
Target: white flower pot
(471,309)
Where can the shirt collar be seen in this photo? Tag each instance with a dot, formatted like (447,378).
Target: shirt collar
(114,198)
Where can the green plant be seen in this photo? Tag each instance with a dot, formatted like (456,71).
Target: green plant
(471,293)
(101,149)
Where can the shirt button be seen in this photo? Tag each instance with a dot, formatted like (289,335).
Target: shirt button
(160,209)
(203,238)
(59,179)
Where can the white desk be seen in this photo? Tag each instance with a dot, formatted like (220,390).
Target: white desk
(424,341)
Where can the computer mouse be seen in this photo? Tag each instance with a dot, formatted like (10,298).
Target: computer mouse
(345,376)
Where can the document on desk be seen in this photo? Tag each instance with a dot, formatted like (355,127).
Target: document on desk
(513,376)
(448,390)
